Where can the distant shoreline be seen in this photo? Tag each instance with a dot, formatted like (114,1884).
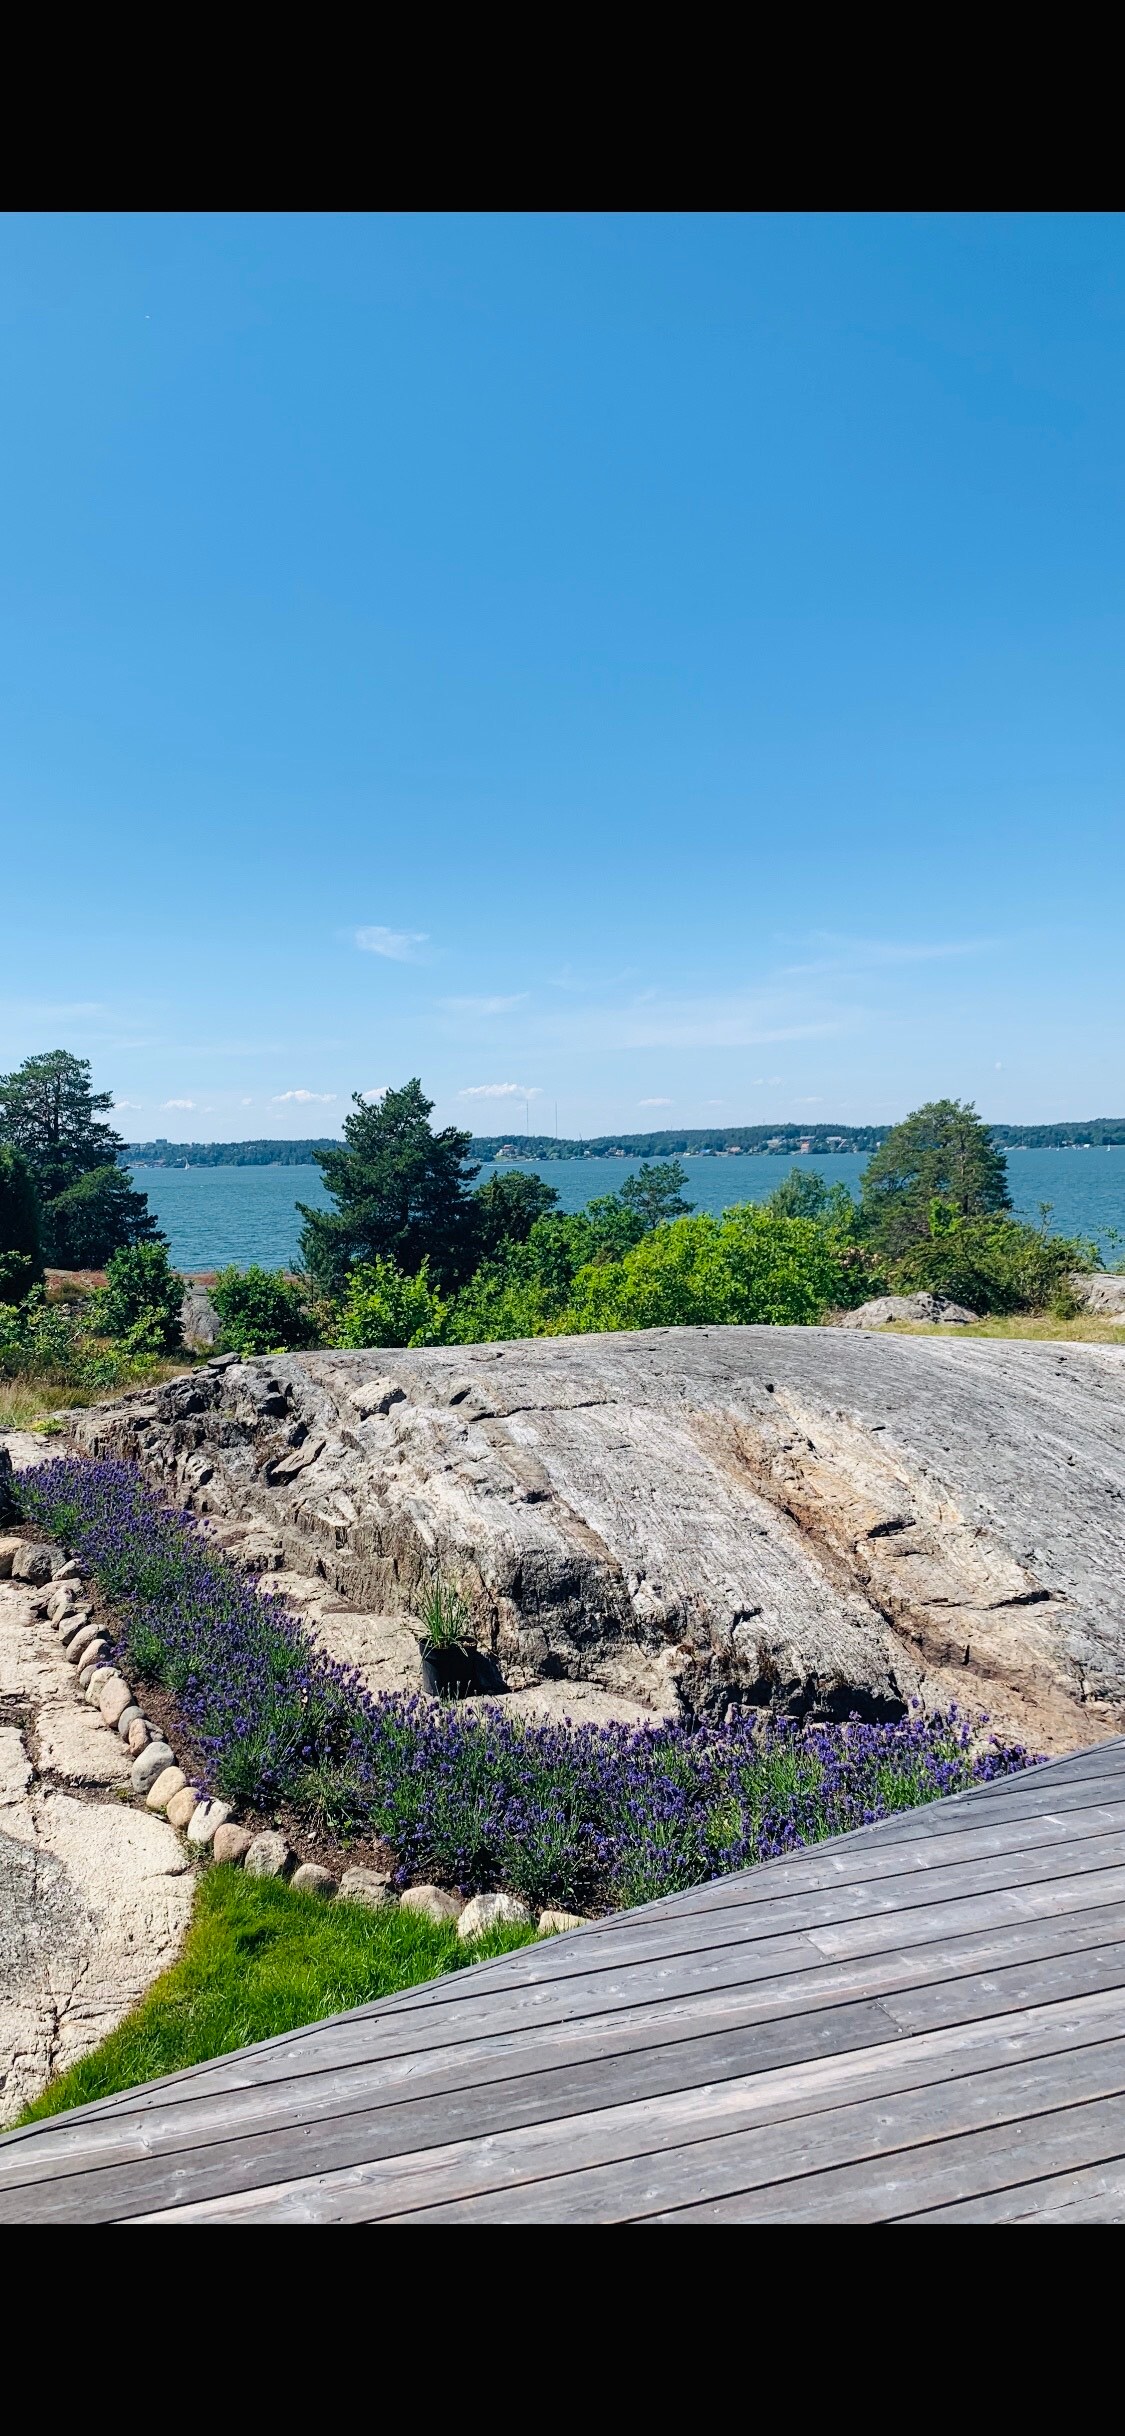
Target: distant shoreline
(777,1141)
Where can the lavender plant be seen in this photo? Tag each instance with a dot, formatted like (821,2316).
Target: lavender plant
(589,1816)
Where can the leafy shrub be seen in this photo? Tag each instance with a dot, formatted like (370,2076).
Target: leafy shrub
(383,1307)
(141,1300)
(747,1267)
(590,1816)
(995,1264)
(262,1311)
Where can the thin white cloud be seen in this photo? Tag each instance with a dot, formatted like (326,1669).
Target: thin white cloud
(401,946)
(378,1092)
(501,1091)
(121,1105)
(246,1103)
(303,1096)
(177,1103)
(483,1006)
(654,1103)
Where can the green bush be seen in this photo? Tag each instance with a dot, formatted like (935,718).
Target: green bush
(262,1311)
(141,1300)
(996,1264)
(21,1255)
(383,1307)
(747,1267)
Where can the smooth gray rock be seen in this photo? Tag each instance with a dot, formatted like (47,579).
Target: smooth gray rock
(813,1520)
(94,1656)
(434,1902)
(116,1700)
(268,1856)
(139,1735)
(1100,1293)
(60,1603)
(78,1640)
(97,1681)
(491,1911)
(371,1887)
(311,1879)
(200,1324)
(151,1764)
(71,1625)
(206,1822)
(129,1716)
(936,1308)
(33,1563)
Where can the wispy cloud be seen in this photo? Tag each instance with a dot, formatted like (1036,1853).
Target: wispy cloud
(303,1096)
(119,1106)
(401,946)
(378,1091)
(501,1091)
(654,1103)
(483,1006)
(177,1103)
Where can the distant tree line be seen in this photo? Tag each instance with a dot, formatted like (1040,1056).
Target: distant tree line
(783,1141)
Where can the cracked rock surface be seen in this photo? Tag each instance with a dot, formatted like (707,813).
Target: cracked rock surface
(95,1897)
(661,1523)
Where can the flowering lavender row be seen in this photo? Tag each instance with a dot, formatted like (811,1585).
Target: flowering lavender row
(588,1816)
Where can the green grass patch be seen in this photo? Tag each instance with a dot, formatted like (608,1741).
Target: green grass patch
(259,1959)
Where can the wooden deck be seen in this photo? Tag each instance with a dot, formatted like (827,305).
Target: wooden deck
(923,2022)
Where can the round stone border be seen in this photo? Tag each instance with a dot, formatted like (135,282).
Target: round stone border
(54,1586)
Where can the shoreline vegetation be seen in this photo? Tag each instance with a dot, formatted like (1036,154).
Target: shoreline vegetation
(414,1249)
(777,1141)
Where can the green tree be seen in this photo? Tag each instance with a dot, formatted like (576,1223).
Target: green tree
(141,1300)
(507,1208)
(747,1267)
(942,1152)
(382,1306)
(21,1255)
(49,1110)
(262,1311)
(803,1193)
(401,1194)
(656,1193)
(101,1211)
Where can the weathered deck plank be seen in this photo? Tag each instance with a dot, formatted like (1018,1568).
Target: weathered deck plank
(924,2020)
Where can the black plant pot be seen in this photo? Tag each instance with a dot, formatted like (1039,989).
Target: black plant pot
(450,1672)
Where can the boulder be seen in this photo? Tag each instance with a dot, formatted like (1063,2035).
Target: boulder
(936,1308)
(116,1698)
(1100,1293)
(492,1911)
(139,1735)
(371,1887)
(151,1764)
(170,1780)
(231,1844)
(32,1563)
(434,1902)
(811,1520)
(209,1818)
(9,1546)
(552,1923)
(311,1879)
(200,1324)
(268,1856)
(179,1808)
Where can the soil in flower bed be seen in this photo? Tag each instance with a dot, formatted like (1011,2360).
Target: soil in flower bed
(589,1817)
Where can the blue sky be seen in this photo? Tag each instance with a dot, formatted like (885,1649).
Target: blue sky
(669,667)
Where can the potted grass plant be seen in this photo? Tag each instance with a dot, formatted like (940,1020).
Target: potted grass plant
(450,1661)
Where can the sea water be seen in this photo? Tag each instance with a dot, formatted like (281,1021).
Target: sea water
(213,1216)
